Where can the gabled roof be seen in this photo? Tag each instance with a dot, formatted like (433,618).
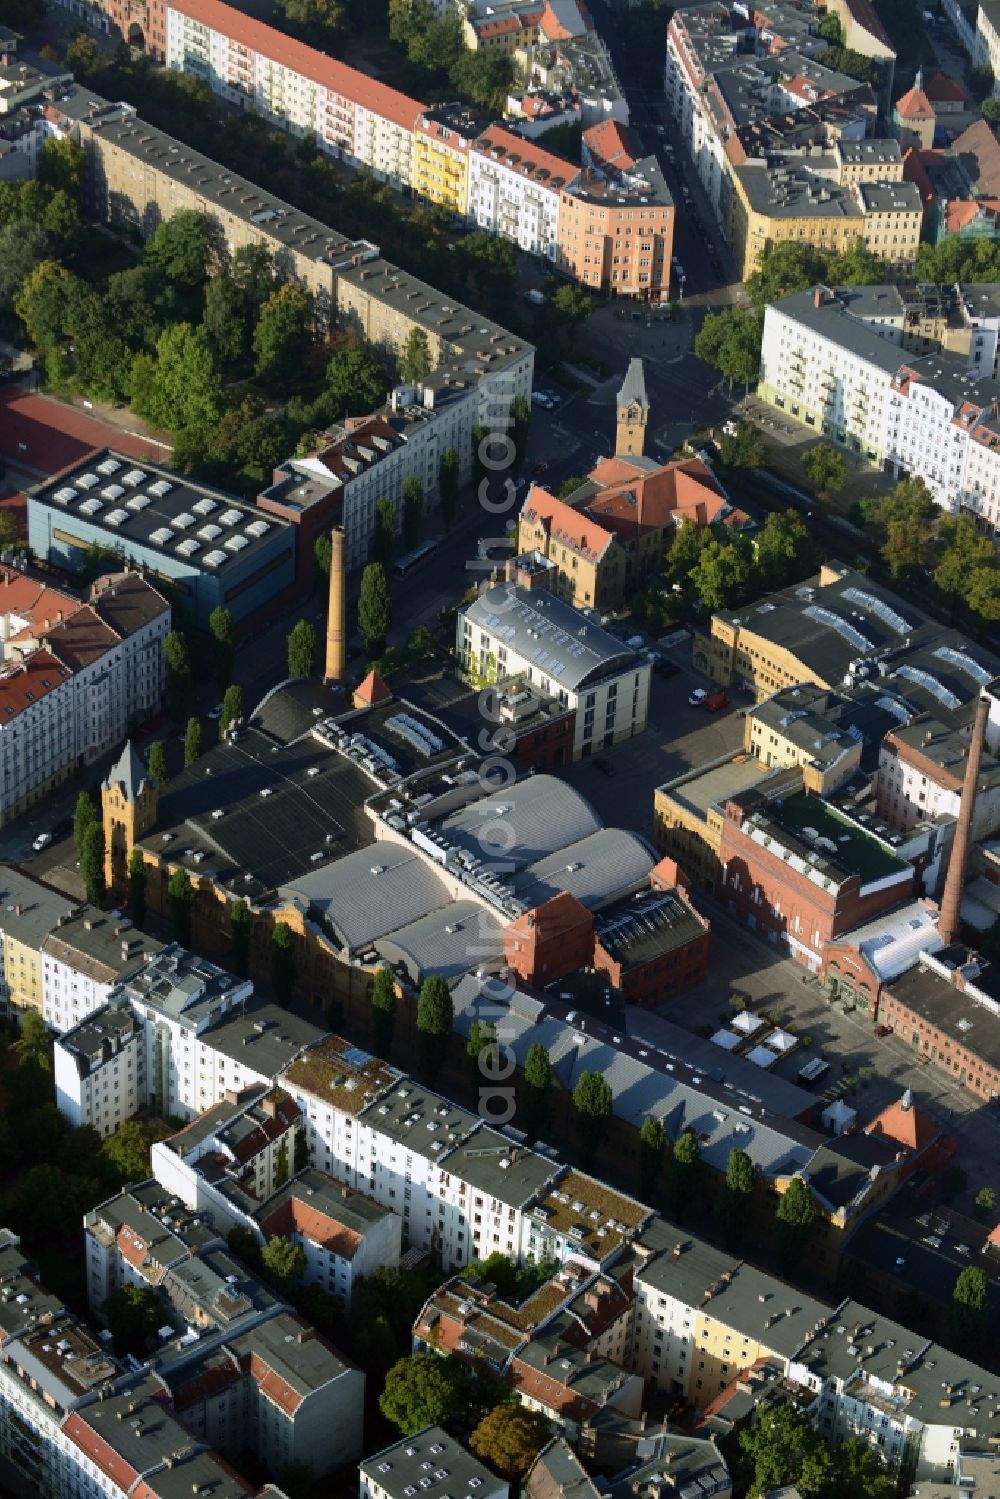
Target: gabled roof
(940,88)
(914,105)
(570,527)
(609,143)
(635,494)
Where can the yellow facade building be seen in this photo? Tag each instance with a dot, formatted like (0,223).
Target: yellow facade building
(805,727)
(29,912)
(441,141)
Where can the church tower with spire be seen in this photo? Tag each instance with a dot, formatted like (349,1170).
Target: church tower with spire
(632,413)
(128,807)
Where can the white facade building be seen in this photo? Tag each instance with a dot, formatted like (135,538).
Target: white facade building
(929,417)
(510,630)
(515,190)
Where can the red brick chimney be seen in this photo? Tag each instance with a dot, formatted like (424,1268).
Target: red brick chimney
(951,900)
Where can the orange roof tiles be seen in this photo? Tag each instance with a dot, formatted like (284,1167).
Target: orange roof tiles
(524,157)
(961,212)
(610,144)
(939,87)
(371,690)
(99,1452)
(23,685)
(903,1122)
(631,495)
(273,1386)
(32,600)
(357,87)
(553,28)
(914,105)
(565,524)
(298,1216)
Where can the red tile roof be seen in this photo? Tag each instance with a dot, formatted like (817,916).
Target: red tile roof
(33,601)
(371,690)
(961,211)
(350,84)
(23,685)
(610,144)
(940,88)
(632,496)
(295,1215)
(524,157)
(907,1125)
(564,524)
(111,1464)
(553,29)
(914,105)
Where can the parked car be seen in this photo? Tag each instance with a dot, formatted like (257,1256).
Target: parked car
(713,702)
(42,841)
(215,712)
(883,1030)
(697,697)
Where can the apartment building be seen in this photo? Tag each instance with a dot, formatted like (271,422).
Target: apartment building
(929,417)
(135,1237)
(75,674)
(137,175)
(198,1036)
(233,1156)
(616,231)
(921,770)
(344,1235)
(515,190)
(401,1467)
(294,86)
(442,143)
(30,911)
(529,631)
(83,958)
(485,1188)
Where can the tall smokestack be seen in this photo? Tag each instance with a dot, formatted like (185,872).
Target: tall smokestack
(336,631)
(951,900)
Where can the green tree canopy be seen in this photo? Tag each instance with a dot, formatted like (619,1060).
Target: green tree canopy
(592,1101)
(383,1011)
(283,334)
(303,650)
(222,628)
(175,653)
(133,1316)
(509,1438)
(685,1171)
(355,382)
(284,1262)
(743,448)
(723,572)
(180,894)
(157,762)
(283,963)
(415,362)
(969,1315)
(825,467)
(784,551)
(84,818)
(92,864)
(730,342)
(534,1092)
(181,247)
(137,879)
(413,512)
(239,937)
(192,742)
(424,1390)
(795,1214)
(435,1020)
(736,1197)
(384,534)
(128,1150)
(232,708)
(374,607)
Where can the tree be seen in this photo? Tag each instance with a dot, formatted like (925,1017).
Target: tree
(384,533)
(180,893)
(520,430)
(413,512)
(722,574)
(736,1198)
(284,1261)
(567,310)
(84,818)
(990,111)
(743,448)
(830,29)
(192,742)
(535,1089)
(157,762)
(969,1315)
(283,963)
(137,887)
(825,468)
(963,553)
(224,317)
(509,1438)
(424,1390)
(685,1171)
(175,653)
(570,486)
(383,1011)
(435,1019)
(795,1214)
(786,267)
(592,1100)
(92,864)
(482,1043)
(730,342)
(652,1144)
(232,709)
(415,362)
(283,334)
(355,382)
(128,1150)
(133,1317)
(448,480)
(253,273)
(784,1448)
(34,1044)
(783,551)
(181,247)
(689,541)
(22,248)
(303,650)
(222,629)
(239,937)
(374,608)
(42,304)
(985,1203)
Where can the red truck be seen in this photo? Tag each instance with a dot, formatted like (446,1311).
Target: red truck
(715,700)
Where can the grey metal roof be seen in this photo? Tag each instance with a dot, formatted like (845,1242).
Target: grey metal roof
(304,1365)
(596,870)
(127,772)
(262,1036)
(447,941)
(399,1469)
(524,823)
(500,1167)
(371,892)
(29,910)
(633,386)
(564,642)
